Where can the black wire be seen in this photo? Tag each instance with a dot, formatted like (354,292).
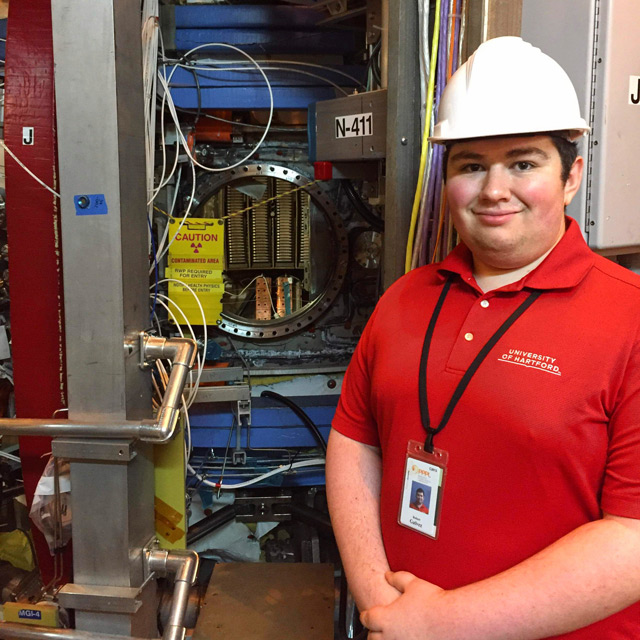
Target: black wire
(377,223)
(195,77)
(301,414)
(373,63)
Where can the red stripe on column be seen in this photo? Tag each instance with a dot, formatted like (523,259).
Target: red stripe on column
(33,225)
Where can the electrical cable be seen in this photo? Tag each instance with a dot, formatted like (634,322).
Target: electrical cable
(306,420)
(204,325)
(285,468)
(33,175)
(161,253)
(247,70)
(277,61)
(199,92)
(226,454)
(9,456)
(167,94)
(425,139)
(171,210)
(375,221)
(199,360)
(155,264)
(199,363)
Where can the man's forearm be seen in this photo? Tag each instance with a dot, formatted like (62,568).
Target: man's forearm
(584,577)
(353,492)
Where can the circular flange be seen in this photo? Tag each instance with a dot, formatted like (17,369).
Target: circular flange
(319,194)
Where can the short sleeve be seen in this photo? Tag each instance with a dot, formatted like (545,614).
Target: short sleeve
(621,489)
(354,417)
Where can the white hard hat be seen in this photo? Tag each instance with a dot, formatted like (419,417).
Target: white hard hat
(508,87)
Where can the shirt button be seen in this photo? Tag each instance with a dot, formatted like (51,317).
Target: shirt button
(484,304)
(468,337)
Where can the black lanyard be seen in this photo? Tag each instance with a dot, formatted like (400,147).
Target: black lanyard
(462,385)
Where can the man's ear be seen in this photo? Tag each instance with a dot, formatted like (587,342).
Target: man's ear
(572,184)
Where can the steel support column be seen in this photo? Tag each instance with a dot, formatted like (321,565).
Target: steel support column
(403,133)
(100,117)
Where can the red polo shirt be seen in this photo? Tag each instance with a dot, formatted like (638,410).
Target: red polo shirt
(545,436)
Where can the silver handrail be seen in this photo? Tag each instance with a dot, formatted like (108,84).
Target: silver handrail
(181,352)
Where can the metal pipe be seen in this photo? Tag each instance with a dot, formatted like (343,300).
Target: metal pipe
(384,46)
(182,353)
(312,517)
(15,631)
(201,528)
(184,566)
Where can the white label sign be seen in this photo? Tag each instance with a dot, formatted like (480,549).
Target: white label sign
(27,135)
(634,90)
(355,126)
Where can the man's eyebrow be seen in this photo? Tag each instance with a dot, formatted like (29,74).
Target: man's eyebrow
(528,151)
(466,155)
(521,151)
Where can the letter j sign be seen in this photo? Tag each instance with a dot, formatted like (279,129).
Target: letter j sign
(634,89)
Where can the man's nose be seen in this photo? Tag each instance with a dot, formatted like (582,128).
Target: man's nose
(496,185)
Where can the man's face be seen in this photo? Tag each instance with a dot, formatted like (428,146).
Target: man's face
(419,497)
(507,198)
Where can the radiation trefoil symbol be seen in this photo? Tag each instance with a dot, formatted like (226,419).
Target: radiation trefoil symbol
(195,247)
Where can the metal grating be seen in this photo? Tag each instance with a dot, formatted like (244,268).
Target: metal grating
(237,254)
(261,245)
(285,226)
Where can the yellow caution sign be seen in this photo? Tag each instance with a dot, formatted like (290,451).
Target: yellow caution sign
(196,258)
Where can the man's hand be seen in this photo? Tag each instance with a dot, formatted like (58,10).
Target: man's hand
(408,617)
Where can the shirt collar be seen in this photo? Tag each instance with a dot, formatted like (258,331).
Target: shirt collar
(565,267)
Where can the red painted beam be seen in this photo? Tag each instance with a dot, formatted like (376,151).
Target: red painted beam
(33,225)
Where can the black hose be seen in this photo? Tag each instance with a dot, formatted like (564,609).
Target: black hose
(377,223)
(211,523)
(301,414)
(197,81)
(314,518)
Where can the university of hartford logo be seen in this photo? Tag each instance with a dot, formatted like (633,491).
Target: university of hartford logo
(531,360)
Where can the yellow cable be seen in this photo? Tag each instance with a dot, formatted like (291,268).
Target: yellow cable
(425,138)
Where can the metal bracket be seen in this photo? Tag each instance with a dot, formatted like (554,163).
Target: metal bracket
(144,363)
(337,7)
(100,598)
(119,451)
(239,456)
(244,410)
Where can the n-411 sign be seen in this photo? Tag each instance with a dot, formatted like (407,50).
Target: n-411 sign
(358,125)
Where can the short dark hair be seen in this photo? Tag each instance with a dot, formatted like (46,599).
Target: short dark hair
(567,149)
(419,490)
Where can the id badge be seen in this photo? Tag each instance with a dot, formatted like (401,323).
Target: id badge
(421,500)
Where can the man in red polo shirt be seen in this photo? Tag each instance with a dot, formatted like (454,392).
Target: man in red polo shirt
(507,379)
(419,504)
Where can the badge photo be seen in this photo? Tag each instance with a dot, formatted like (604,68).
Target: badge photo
(421,494)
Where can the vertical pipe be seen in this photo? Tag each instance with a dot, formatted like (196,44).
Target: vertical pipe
(384,46)
(403,133)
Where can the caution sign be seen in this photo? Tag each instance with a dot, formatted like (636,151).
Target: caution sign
(196,258)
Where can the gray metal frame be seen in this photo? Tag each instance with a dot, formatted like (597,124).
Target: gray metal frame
(100,121)
(403,134)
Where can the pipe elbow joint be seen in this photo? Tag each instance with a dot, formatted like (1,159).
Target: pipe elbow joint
(179,350)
